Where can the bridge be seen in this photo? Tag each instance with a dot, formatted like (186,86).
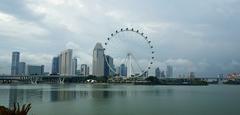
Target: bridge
(34,79)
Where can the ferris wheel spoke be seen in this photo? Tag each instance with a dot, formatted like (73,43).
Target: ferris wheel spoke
(137,63)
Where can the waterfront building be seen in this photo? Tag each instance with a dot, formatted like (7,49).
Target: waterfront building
(22,68)
(84,70)
(35,69)
(117,70)
(108,66)
(55,65)
(220,76)
(46,73)
(88,71)
(98,60)
(157,72)
(78,72)
(15,63)
(169,71)
(74,66)
(123,70)
(65,62)
(163,74)
(191,75)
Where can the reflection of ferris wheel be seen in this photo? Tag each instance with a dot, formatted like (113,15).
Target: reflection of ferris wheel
(130,58)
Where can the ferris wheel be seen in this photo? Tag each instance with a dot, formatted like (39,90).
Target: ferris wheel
(131,48)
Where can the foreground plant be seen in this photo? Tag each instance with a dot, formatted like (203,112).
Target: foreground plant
(16,110)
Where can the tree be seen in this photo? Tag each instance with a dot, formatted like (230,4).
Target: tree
(17,110)
(152,79)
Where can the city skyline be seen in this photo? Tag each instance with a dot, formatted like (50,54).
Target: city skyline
(119,57)
(65,64)
(190,39)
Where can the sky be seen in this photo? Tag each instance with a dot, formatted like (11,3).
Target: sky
(191,35)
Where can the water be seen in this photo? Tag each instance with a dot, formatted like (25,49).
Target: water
(87,99)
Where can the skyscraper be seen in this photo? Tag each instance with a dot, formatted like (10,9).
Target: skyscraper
(108,66)
(22,68)
(169,71)
(191,75)
(15,63)
(74,66)
(157,72)
(55,65)
(123,70)
(98,60)
(84,70)
(35,69)
(65,62)
(162,74)
(117,69)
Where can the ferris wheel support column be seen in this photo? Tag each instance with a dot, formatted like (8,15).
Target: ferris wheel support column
(129,65)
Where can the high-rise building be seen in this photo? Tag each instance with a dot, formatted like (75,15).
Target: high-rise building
(22,68)
(35,69)
(78,72)
(191,75)
(88,70)
(15,63)
(55,65)
(169,71)
(117,68)
(84,70)
(65,62)
(163,74)
(157,72)
(123,70)
(98,60)
(74,66)
(108,66)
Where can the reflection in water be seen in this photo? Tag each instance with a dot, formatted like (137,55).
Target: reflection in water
(122,99)
(13,96)
(24,95)
(62,95)
(107,94)
(103,92)
(55,93)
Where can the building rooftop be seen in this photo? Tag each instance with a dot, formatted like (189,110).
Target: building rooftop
(98,46)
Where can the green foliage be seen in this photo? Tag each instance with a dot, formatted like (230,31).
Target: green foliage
(102,79)
(17,110)
(91,77)
(152,79)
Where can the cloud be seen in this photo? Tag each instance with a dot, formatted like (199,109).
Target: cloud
(72,45)
(4,64)
(13,27)
(181,65)
(183,34)
(19,9)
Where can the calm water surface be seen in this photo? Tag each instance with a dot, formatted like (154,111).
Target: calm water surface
(86,99)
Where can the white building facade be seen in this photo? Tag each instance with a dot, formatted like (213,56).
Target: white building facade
(98,60)
(65,62)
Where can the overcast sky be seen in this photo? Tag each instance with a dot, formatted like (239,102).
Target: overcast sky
(192,35)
